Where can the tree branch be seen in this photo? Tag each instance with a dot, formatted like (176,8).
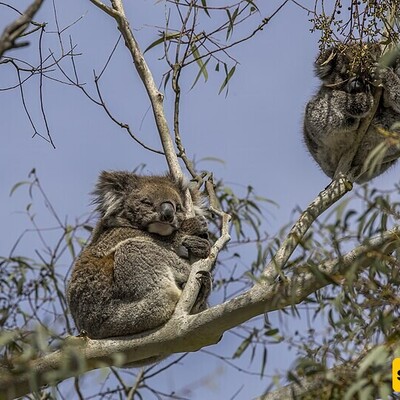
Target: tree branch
(14,31)
(184,332)
(330,195)
(156,97)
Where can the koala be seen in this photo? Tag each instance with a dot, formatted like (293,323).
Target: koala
(350,75)
(130,276)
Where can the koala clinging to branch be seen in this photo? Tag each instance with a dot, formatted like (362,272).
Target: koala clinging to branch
(130,276)
(350,75)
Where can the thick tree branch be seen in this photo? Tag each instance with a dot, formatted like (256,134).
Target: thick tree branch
(14,31)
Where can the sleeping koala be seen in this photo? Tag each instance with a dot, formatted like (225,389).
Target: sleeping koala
(350,75)
(130,276)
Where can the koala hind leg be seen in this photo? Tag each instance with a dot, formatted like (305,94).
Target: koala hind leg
(125,318)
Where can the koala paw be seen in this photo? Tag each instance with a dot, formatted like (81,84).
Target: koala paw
(381,75)
(205,280)
(196,226)
(197,246)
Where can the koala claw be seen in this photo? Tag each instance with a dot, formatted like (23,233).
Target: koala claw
(205,280)
(204,276)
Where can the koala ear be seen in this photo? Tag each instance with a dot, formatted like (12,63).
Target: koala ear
(325,62)
(199,200)
(110,190)
(200,205)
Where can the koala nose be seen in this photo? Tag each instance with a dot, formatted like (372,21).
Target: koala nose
(355,85)
(167,211)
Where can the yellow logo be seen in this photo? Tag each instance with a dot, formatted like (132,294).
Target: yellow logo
(396,374)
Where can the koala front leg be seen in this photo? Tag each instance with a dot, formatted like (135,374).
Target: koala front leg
(331,111)
(387,78)
(193,235)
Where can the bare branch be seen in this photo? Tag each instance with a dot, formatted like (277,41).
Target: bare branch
(191,290)
(155,96)
(14,31)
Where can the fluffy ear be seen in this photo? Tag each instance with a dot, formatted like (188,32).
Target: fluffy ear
(181,184)
(111,189)
(325,63)
(199,200)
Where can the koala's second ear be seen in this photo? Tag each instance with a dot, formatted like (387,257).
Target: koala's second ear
(111,188)
(325,63)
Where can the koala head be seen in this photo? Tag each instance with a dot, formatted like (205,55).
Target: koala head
(348,67)
(155,204)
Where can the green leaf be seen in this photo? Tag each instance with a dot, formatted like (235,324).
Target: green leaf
(264,362)
(232,18)
(201,64)
(204,4)
(164,38)
(384,391)
(68,239)
(202,71)
(166,79)
(17,185)
(214,159)
(356,387)
(227,79)
(374,159)
(243,346)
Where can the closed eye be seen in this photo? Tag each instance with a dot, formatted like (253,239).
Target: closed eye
(147,202)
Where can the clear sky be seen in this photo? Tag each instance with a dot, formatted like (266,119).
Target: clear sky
(256,130)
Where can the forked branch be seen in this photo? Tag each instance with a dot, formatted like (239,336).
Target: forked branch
(117,11)
(16,29)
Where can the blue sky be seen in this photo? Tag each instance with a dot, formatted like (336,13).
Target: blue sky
(256,130)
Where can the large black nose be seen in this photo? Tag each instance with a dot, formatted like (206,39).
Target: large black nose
(167,211)
(356,85)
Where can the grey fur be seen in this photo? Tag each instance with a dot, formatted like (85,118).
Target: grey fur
(128,280)
(349,79)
